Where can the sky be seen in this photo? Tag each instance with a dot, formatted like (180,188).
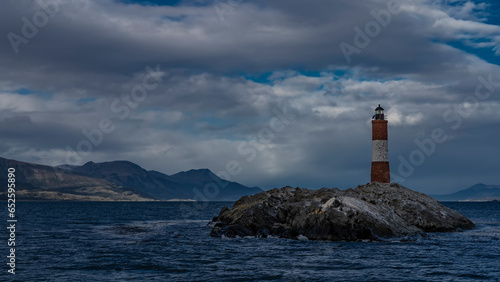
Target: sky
(265,93)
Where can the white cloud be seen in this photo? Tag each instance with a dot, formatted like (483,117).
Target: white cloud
(397,118)
(332,112)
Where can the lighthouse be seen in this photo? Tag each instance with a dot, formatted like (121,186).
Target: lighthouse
(380,150)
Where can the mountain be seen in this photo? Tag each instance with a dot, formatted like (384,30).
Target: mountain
(196,184)
(208,184)
(40,182)
(118,180)
(131,176)
(478,192)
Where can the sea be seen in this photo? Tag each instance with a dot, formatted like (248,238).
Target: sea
(170,241)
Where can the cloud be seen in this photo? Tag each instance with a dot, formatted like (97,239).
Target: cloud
(229,81)
(398,118)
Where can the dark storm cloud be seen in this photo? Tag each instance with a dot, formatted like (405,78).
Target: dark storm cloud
(101,38)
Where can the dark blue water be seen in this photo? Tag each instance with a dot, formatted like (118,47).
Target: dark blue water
(95,241)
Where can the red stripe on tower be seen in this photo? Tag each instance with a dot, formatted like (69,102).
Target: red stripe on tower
(380,150)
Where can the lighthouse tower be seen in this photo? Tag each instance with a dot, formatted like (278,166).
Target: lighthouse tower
(380,153)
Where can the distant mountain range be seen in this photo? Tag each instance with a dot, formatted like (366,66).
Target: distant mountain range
(478,192)
(117,181)
(126,181)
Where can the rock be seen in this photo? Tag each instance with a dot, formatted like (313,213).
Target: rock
(369,212)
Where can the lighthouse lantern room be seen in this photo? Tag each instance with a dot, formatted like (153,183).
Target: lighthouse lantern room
(379,113)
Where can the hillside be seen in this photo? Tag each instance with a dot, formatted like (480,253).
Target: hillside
(40,182)
(478,192)
(153,184)
(118,180)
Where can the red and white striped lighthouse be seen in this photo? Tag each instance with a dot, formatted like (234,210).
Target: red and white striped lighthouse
(380,150)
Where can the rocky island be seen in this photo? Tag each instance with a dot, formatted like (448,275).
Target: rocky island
(369,212)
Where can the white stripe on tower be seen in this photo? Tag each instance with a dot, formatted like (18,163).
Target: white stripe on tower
(380,151)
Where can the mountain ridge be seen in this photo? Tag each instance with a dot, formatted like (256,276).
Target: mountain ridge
(41,182)
(120,180)
(477,192)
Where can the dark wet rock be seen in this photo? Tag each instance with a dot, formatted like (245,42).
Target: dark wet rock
(368,212)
